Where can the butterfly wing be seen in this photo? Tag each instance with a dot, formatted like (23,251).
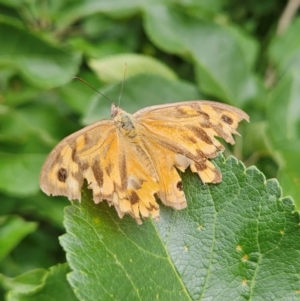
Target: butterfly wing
(129,172)
(75,158)
(188,130)
(113,167)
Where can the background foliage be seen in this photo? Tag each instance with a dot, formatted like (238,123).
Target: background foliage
(243,53)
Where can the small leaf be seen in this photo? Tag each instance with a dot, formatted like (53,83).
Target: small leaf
(236,240)
(42,121)
(41,285)
(111,69)
(12,230)
(26,282)
(15,169)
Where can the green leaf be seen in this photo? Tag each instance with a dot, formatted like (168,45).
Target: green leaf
(39,120)
(41,285)
(283,110)
(111,69)
(26,282)
(236,240)
(221,63)
(248,44)
(203,6)
(41,206)
(117,8)
(283,113)
(285,49)
(138,92)
(39,62)
(16,169)
(12,230)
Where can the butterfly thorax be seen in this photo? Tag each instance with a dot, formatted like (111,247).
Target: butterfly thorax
(124,122)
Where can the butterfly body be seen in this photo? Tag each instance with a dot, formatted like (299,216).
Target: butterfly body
(125,123)
(132,158)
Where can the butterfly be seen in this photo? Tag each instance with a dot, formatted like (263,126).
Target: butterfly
(131,159)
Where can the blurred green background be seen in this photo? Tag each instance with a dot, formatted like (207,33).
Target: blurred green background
(245,53)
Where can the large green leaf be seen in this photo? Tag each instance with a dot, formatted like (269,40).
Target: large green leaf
(39,62)
(285,49)
(283,110)
(236,240)
(221,62)
(284,131)
(138,92)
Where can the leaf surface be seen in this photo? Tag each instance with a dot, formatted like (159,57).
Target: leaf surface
(12,230)
(39,62)
(41,285)
(235,240)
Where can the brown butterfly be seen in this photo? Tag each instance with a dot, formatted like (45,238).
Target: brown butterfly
(131,158)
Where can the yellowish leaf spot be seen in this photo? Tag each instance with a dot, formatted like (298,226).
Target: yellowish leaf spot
(245,258)
(96,220)
(238,248)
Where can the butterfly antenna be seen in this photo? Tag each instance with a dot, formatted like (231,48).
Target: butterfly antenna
(125,68)
(82,80)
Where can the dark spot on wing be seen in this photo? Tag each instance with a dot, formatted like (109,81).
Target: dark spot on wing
(204,115)
(200,133)
(108,169)
(218,177)
(191,139)
(179,186)
(181,113)
(205,120)
(200,166)
(86,139)
(62,175)
(133,197)
(227,119)
(84,166)
(74,154)
(123,172)
(135,184)
(98,173)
